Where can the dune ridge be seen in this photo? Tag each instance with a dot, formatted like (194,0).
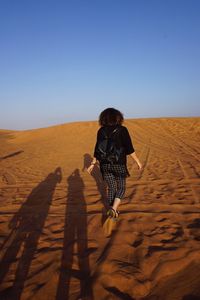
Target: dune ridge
(51,235)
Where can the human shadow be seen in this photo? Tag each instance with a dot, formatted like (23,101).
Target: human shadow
(11,155)
(26,227)
(96,174)
(191,297)
(75,242)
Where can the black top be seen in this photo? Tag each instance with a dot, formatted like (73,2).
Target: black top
(122,138)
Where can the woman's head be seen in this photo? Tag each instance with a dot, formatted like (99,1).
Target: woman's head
(110,116)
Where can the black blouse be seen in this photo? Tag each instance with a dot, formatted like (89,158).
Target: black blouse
(122,138)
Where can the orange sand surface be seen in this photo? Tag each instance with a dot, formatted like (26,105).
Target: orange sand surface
(52,240)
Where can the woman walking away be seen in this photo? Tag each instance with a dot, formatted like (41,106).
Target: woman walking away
(112,147)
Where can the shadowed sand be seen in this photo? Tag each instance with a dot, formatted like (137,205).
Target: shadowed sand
(51,236)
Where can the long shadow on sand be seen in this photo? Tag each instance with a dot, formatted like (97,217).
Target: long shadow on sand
(75,242)
(191,297)
(11,155)
(96,174)
(26,227)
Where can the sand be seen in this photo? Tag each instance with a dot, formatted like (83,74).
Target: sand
(51,226)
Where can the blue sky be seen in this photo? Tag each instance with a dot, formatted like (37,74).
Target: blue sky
(63,61)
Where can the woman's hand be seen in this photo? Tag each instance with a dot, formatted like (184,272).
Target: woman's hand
(136,159)
(140,166)
(90,168)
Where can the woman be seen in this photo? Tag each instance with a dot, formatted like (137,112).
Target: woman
(112,147)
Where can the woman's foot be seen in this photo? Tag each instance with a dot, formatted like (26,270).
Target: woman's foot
(110,212)
(113,213)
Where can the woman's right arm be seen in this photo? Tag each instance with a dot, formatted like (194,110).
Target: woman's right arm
(94,160)
(91,167)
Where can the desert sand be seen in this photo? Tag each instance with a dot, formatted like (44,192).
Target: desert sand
(52,241)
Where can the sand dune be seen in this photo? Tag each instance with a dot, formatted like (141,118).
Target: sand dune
(51,236)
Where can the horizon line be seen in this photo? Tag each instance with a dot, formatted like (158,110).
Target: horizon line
(87,121)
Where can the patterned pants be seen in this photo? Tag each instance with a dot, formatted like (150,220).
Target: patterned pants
(115,178)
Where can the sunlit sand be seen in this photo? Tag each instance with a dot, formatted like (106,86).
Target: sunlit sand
(52,241)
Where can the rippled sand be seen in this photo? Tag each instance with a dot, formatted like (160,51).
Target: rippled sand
(52,241)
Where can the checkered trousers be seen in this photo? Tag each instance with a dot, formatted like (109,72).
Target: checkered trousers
(116,170)
(115,178)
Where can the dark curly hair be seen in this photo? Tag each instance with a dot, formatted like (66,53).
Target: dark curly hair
(110,116)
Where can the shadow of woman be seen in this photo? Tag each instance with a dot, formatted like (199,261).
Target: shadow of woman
(75,242)
(96,174)
(26,228)
(191,297)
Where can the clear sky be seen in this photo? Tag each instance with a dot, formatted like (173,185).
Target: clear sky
(66,60)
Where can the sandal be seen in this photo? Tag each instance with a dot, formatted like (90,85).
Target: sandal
(113,213)
(116,214)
